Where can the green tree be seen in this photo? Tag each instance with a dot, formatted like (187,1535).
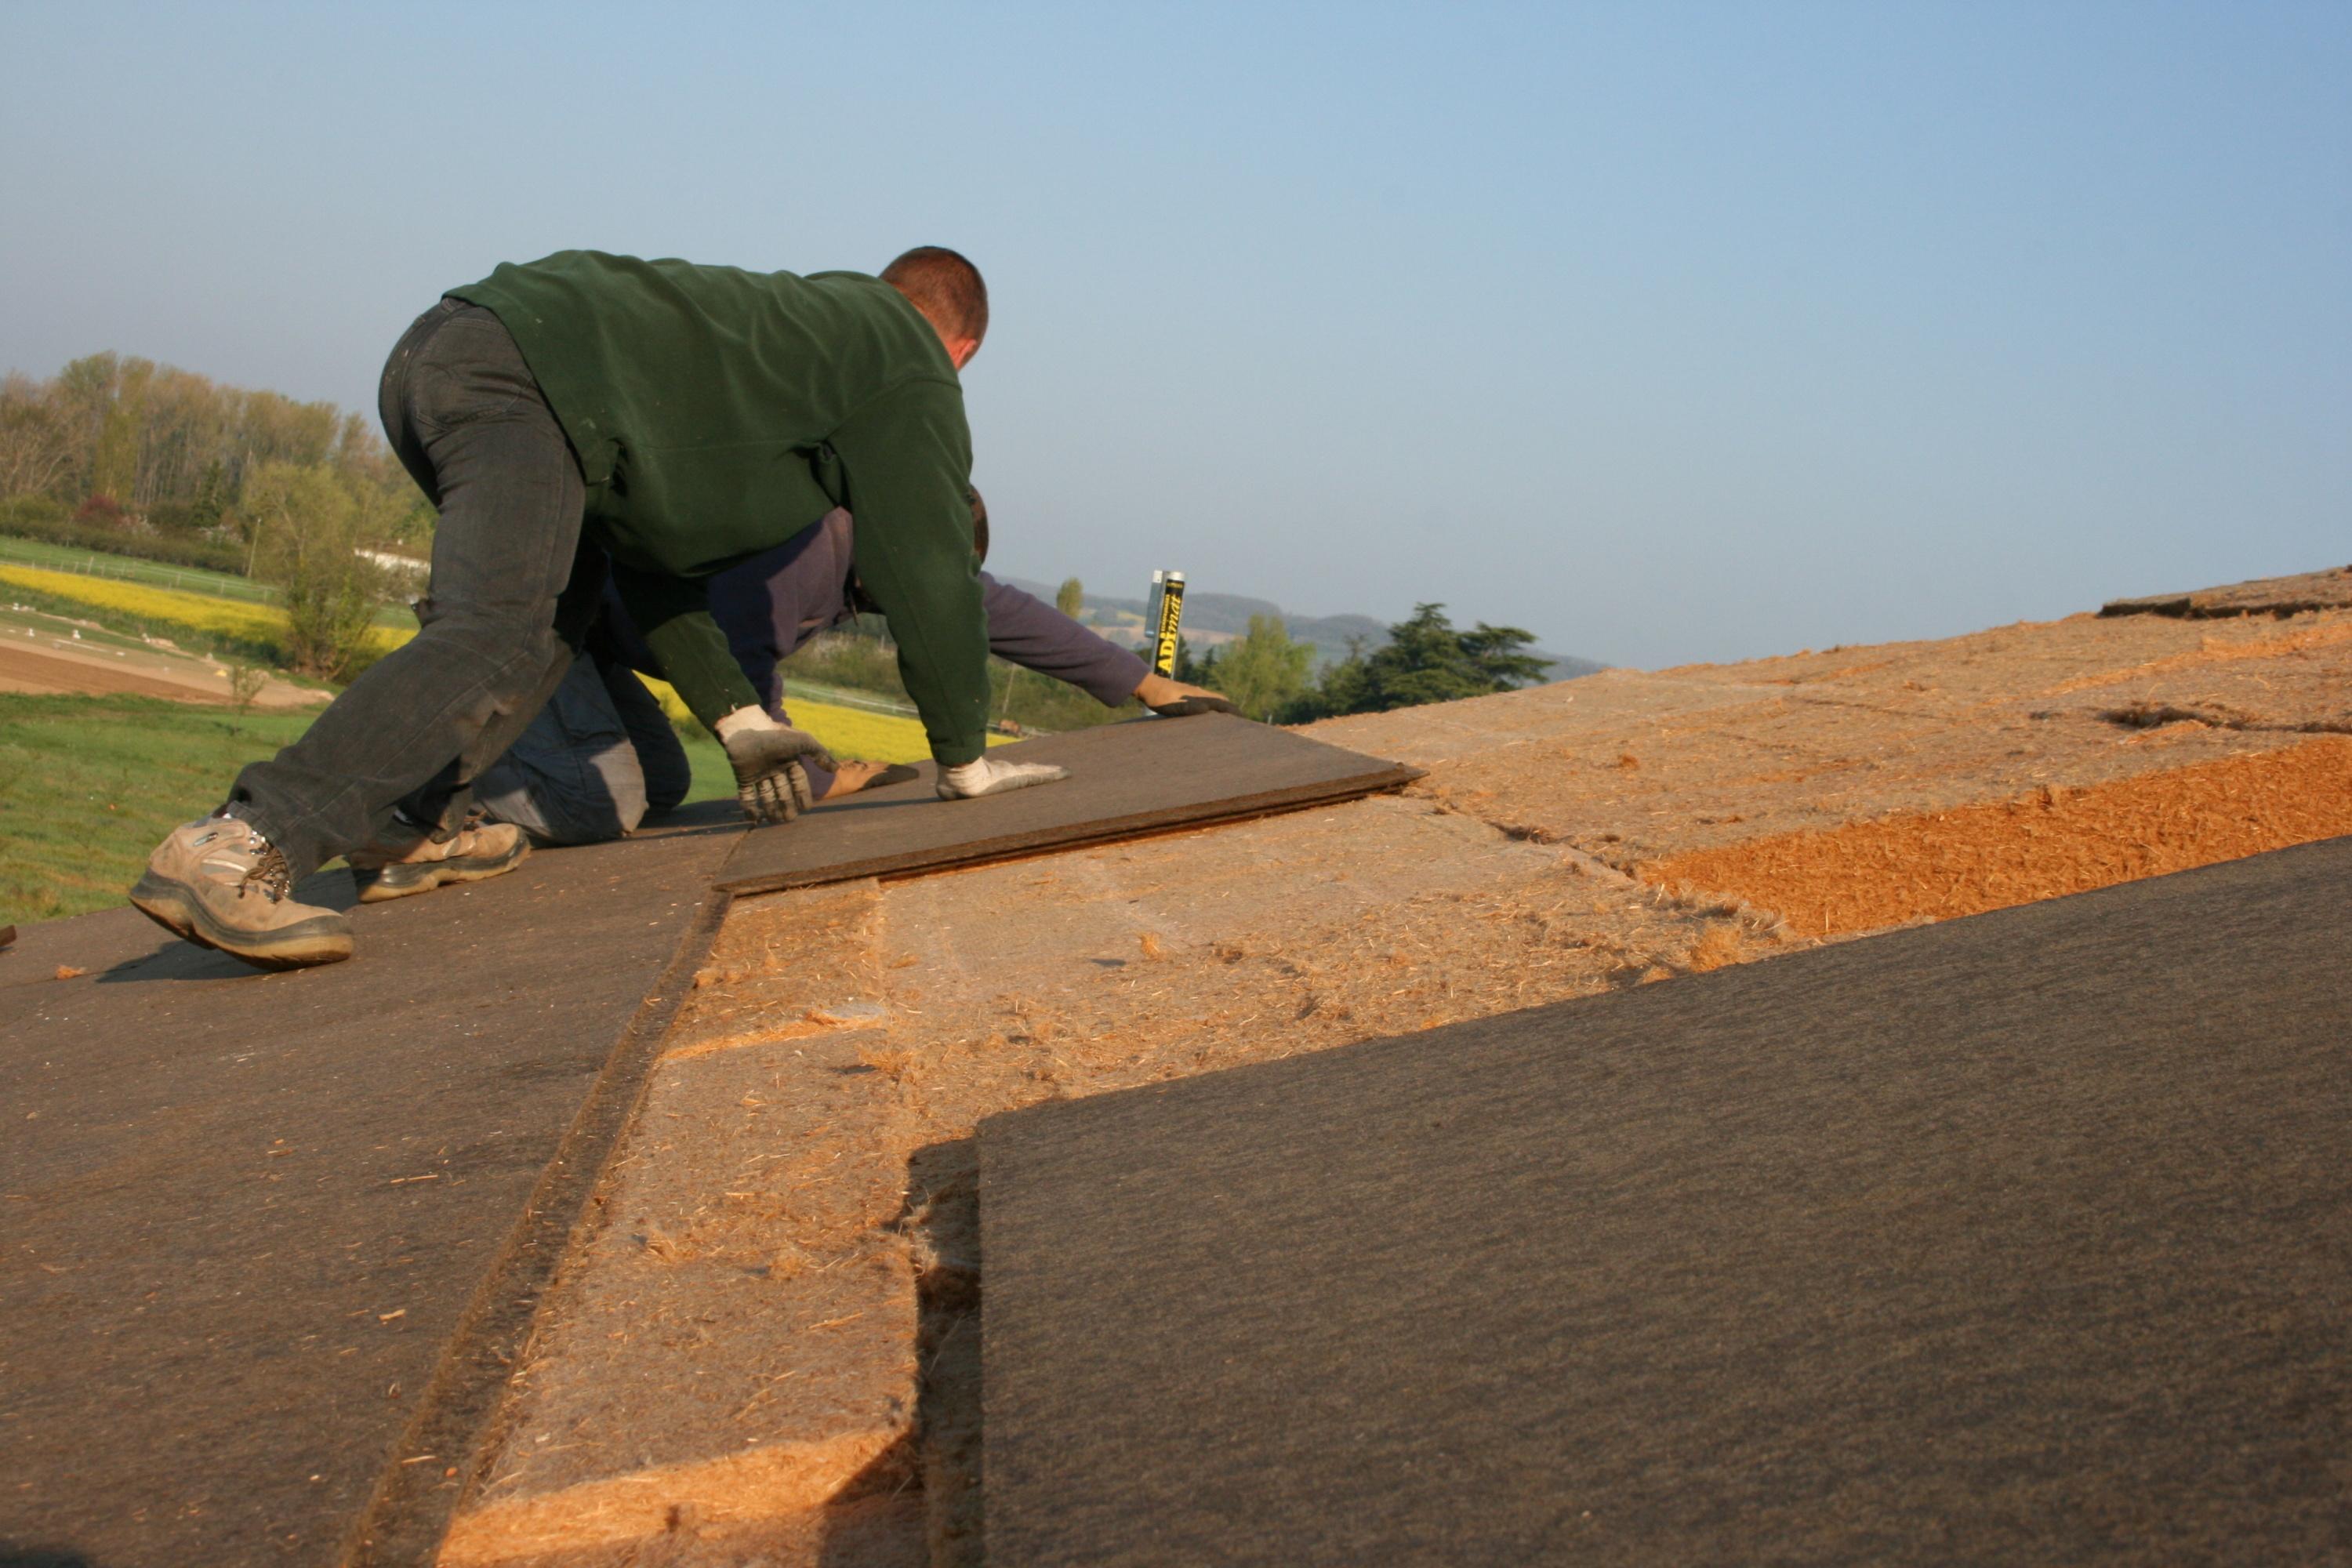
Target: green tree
(308,524)
(211,505)
(1071,597)
(114,466)
(1339,689)
(36,437)
(246,681)
(1424,660)
(1263,671)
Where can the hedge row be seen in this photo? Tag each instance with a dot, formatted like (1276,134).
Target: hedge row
(38,518)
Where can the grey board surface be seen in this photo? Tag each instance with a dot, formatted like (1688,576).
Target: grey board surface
(1143,776)
(269,1236)
(2326,590)
(2027,1237)
(92,944)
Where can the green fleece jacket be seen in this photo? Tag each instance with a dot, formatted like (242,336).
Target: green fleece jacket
(717,413)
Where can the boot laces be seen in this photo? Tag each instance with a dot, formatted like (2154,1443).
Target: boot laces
(269,872)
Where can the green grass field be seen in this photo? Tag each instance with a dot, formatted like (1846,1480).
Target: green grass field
(133,569)
(89,785)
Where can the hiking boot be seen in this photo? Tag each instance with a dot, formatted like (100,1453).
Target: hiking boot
(406,859)
(220,884)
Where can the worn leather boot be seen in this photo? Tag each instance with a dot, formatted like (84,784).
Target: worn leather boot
(406,859)
(219,883)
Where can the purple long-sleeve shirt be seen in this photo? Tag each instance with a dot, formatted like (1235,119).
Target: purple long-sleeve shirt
(771,603)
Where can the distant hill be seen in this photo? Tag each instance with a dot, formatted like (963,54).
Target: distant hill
(1212,618)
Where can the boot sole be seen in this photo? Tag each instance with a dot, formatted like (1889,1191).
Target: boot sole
(400,879)
(177,909)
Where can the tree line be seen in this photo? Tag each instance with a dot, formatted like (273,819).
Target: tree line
(1425,659)
(120,454)
(127,449)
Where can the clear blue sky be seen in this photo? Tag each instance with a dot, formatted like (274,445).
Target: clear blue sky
(1671,332)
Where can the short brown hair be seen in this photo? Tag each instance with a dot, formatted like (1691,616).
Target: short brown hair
(945,287)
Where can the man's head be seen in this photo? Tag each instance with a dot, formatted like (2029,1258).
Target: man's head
(948,290)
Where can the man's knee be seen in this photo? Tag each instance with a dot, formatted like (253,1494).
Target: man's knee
(514,641)
(557,805)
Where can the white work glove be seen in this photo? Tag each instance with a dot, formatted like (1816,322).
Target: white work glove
(770,783)
(985,776)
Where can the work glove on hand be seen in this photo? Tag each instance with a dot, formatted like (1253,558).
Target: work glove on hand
(1177,700)
(770,783)
(1186,707)
(968,780)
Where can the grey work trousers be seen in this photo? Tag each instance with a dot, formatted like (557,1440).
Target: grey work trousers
(512,594)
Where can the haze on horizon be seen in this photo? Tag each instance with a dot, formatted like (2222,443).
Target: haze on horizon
(1667,334)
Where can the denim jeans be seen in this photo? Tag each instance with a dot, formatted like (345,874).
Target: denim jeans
(599,756)
(512,593)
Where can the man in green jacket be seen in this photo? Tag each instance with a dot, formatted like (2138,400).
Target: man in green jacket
(657,419)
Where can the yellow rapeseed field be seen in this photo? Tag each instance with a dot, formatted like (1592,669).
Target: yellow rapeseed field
(198,613)
(846,731)
(195,612)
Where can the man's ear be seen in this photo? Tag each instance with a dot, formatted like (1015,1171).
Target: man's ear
(960,350)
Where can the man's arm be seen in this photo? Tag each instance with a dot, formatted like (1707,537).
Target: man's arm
(1033,634)
(673,615)
(907,458)
(769,603)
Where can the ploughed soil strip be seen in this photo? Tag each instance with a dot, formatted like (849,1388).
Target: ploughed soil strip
(1933,865)
(274,1239)
(1989,1241)
(28,668)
